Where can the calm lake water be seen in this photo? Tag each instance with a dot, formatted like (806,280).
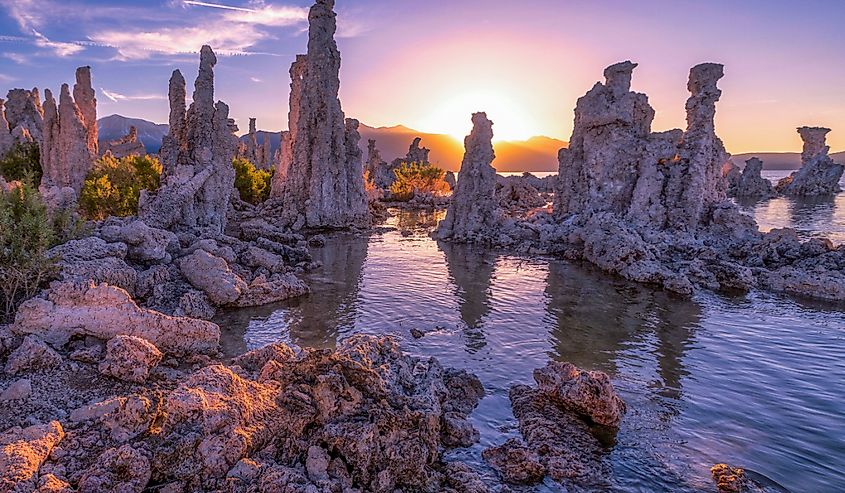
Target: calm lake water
(757,381)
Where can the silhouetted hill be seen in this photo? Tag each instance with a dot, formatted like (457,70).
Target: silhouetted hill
(116,126)
(779,161)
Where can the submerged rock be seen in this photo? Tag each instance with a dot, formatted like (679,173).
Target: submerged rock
(473,213)
(322,184)
(586,393)
(819,175)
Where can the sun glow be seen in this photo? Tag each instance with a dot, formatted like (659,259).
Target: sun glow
(452,116)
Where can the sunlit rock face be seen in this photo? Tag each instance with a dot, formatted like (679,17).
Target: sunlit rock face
(86,99)
(473,213)
(323,183)
(616,165)
(198,177)
(25,114)
(6,140)
(818,175)
(751,184)
(128,145)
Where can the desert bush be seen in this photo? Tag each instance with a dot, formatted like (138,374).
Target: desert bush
(21,162)
(253,184)
(26,233)
(114,186)
(418,178)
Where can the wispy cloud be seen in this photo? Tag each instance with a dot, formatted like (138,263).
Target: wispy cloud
(256,80)
(7,78)
(260,14)
(16,57)
(24,12)
(117,97)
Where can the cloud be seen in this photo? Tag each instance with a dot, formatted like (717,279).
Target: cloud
(6,78)
(116,97)
(261,14)
(59,48)
(256,80)
(23,12)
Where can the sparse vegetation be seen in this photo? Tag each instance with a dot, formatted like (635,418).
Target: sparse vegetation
(253,184)
(26,233)
(413,179)
(114,186)
(23,161)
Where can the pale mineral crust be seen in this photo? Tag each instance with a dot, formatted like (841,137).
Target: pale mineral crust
(25,114)
(323,184)
(819,175)
(751,184)
(128,145)
(198,177)
(473,213)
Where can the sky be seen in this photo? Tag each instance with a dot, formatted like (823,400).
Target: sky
(429,64)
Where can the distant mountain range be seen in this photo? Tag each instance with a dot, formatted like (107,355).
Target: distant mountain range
(535,154)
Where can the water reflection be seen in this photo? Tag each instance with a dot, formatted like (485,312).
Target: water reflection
(471,271)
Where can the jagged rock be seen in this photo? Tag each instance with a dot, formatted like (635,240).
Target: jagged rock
(515,462)
(729,479)
(6,139)
(65,156)
(22,451)
(124,417)
(92,258)
(213,276)
(198,177)
(128,145)
(732,174)
(818,175)
(586,393)
(377,168)
(25,115)
(130,358)
(146,245)
(195,304)
(85,98)
(123,469)
(17,390)
(473,212)
(103,311)
(32,355)
(322,184)
(51,484)
(751,184)
(450,179)
(262,291)
(515,193)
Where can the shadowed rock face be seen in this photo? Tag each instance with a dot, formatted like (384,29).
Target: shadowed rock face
(473,213)
(323,184)
(751,184)
(25,114)
(818,175)
(198,177)
(6,140)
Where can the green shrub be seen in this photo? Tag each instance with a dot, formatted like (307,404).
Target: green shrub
(21,162)
(418,178)
(26,233)
(253,184)
(114,186)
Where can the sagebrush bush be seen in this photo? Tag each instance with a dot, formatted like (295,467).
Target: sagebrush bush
(253,184)
(26,233)
(114,186)
(418,178)
(22,162)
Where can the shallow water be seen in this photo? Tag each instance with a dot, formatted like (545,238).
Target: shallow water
(756,381)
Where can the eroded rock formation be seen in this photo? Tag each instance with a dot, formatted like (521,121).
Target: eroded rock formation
(69,143)
(819,175)
(25,115)
(751,184)
(323,182)
(473,213)
(128,145)
(6,140)
(198,177)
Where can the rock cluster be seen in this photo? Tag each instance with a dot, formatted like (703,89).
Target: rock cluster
(751,185)
(819,175)
(69,143)
(128,145)
(556,421)
(6,139)
(473,213)
(258,154)
(198,177)
(25,115)
(322,183)
(365,417)
(516,193)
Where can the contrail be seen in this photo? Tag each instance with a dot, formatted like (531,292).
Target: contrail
(217,6)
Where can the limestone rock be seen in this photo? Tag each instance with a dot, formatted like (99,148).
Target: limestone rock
(124,469)
(85,98)
(262,291)
(213,276)
(32,355)
(376,168)
(103,311)
(586,393)
(6,139)
(515,193)
(22,451)
(94,259)
(515,462)
(25,115)
(124,417)
(473,212)
(751,184)
(198,177)
(146,245)
(819,175)
(130,358)
(49,483)
(17,390)
(323,182)
(128,145)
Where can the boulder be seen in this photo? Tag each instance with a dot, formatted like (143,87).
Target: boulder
(32,355)
(590,394)
(123,469)
(22,451)
(213,276)
(130,358)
